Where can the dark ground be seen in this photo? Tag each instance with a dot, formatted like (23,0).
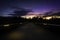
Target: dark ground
(29,31)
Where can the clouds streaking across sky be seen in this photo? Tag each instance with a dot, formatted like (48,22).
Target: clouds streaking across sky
(39,6)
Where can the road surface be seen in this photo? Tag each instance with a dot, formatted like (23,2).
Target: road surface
(30,31)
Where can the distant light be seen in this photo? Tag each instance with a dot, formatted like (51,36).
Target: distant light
(44,18)
(29,16)
(6,25)
(57,16)
(23,16)
(48,18)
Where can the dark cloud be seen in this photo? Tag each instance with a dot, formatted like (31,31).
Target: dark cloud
(21,12)
(36,5)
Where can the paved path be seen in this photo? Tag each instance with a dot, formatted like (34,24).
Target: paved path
(30,31)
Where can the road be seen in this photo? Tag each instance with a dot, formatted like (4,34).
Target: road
(30,31)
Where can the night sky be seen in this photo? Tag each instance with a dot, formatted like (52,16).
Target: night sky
(38,6)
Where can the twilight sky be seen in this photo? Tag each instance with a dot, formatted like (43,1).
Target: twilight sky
(38,6)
